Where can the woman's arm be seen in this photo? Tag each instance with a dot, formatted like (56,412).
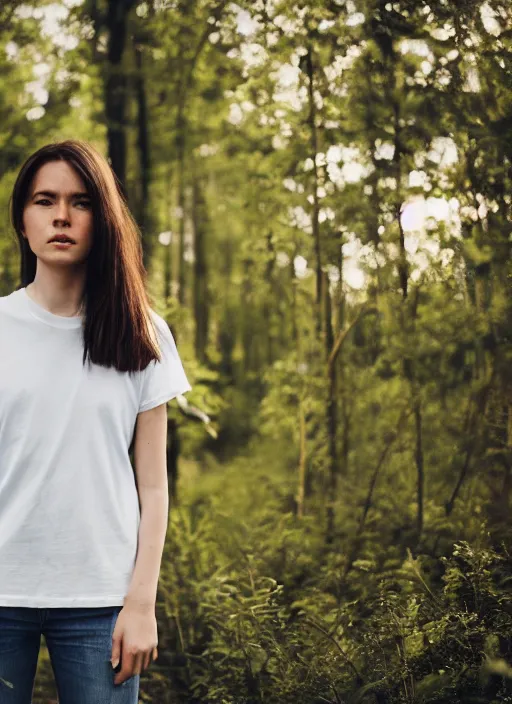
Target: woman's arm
(150,459)
(135,635)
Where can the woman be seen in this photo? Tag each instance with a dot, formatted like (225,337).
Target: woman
(86,369)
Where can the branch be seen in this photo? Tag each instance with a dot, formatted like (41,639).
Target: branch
(477,412)
(406,412)
(342,335)
(335,642)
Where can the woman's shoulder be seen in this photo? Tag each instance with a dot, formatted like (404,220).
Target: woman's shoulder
(10,302)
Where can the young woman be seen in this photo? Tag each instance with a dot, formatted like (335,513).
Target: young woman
(86,369)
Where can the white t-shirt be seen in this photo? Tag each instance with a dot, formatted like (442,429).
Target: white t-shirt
(69,509)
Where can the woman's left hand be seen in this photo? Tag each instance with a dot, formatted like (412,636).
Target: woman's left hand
(134,641)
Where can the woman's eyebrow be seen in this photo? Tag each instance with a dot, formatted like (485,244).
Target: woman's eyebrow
(53,194)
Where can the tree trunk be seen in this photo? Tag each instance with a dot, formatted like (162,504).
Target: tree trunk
(301,489)
(473,436)
(297,338)
(228,328)
(187,61)
(310,69)
(332,413)
(269,298)
(169,222)
(340,299)
(144,156)
(115,86)
(420,469)
(200,290)
(356,544)
(180,148)
(94,14)
(403,269)
(173,451)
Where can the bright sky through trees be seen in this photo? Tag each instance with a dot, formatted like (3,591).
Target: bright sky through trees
(344,163)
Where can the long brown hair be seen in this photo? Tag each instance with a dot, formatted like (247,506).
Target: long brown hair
(115,328)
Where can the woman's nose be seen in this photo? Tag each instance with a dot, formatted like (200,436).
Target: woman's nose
(62,212)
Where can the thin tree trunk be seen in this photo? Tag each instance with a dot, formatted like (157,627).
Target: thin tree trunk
(482,272)
(297,338)
(403,274)
(200,284)
(168,248)
(173,451)
(344,402)
(94,14)
(310,69)
(301,491)
(186,67)
(269,297)
(342,335)
(332,349)
(115,86)
(294,285)
(371,488)
(403,269)
(420,471)
(180,148)
(249,360)
(473,435)
(144,153)
(332,414)
(228,328)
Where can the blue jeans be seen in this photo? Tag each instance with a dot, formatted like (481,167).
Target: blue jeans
(79,643)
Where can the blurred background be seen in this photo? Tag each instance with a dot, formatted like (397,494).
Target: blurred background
(323,192)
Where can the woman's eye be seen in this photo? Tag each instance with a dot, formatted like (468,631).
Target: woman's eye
(81,203)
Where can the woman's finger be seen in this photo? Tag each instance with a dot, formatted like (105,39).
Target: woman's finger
(127,665)
(147,660)
(138,663)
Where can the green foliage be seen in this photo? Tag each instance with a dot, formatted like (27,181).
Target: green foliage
(254,612)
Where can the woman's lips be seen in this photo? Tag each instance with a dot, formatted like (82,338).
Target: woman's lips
(61,237)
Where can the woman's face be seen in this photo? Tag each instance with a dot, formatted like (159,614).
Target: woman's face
(58,204)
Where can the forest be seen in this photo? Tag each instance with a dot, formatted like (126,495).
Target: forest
(323,191)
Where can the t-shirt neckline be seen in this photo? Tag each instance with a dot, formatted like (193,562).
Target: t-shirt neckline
(57,321)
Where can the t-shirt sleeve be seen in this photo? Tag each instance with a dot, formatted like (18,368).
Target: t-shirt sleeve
(164,380)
